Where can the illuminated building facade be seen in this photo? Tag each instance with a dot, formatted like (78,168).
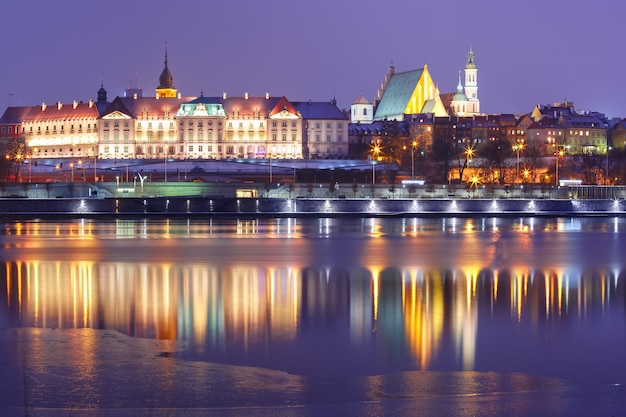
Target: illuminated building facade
(471,84)
(169,125)
(325,129)
(63,130)
(411,92)
(143,127)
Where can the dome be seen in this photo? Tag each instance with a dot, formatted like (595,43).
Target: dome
(166,80)
(459,96)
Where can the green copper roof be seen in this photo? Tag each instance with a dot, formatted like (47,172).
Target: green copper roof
(397,95)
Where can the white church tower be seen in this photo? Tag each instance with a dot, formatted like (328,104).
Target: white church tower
(362,111)
(471,84)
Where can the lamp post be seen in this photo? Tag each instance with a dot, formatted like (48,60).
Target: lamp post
(413,145)
(606,173)
(72,170)
(95,170)
(80,163)
(165,148)
(18,176)
(559,154)
(517,148)
(375,152)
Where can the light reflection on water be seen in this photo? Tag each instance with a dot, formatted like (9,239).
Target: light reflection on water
(335,296)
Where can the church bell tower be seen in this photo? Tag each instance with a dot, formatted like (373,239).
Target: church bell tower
(471,84)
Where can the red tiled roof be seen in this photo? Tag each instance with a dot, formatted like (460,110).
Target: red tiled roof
(283,104)
(62,112)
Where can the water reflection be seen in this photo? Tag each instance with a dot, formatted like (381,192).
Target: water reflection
(308,320)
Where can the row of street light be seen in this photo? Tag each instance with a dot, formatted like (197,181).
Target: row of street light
(470,153)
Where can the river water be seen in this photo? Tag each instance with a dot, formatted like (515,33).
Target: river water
(364,316)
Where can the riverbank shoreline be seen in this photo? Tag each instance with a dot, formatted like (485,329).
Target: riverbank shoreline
(194,206)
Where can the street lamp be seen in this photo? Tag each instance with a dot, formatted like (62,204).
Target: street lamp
(165,163)
(517,148)
(72,168)
(18,158)
(375,152)
(413,146)
(95,170)
(606,174)
(559,154)
(80,163)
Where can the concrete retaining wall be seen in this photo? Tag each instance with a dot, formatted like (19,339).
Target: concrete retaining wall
(308,207)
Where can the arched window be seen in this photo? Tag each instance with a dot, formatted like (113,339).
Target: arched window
(365,111)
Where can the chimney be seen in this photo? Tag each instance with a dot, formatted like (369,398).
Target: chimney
(245,95)
(224,95)
(90,103)
(267,96)
(75,104)
(59,105)
(43,106)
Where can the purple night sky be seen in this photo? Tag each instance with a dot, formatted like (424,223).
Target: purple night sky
(527,53)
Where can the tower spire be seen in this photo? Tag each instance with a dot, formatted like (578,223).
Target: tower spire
(166,81)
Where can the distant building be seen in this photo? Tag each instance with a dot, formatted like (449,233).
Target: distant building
(171,126)
(411,92)
(583,131)
(143,127)
(618,134)
(361,111)
(64,130)
(325,133)
(471,84)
